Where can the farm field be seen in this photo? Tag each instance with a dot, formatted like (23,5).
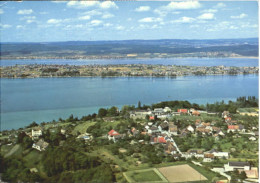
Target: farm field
(146,175)
(181,173)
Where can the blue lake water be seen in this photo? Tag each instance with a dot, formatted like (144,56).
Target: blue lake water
(239,62)
(45,99)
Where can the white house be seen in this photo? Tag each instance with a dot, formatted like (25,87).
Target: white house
(252,138)
(218,154)
(41,145)
(167,109)
(190,128)
(231,166)
(36,132)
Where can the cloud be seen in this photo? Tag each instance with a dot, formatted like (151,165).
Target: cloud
(96,22)
(86,17)
(44,13)
(58,1)
(143,8)
(87,4)
(209,11)
(206,16)
(150,19)
(248,25)
(25,12)
(92,13)
(155,26)
(20,27)
(107,5)
(5,26)
(183,5)
(1,11)
(30,21)
(184,20)
(186,5)
(220,5)
(242,15)
(107,15)
(108,24)
(28,18)
(233,27)
(119,27)
(54,21)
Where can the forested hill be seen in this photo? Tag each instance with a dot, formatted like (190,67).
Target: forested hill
(133,48)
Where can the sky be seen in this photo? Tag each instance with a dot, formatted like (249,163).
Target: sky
(48,21)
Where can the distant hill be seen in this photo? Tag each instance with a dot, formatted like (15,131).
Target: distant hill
(133,48)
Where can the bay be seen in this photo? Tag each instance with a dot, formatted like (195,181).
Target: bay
(45,99)
(239,62)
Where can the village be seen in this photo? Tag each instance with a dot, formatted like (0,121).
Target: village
(167,130)
(38,70)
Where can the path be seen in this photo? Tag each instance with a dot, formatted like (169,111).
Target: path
(12,151)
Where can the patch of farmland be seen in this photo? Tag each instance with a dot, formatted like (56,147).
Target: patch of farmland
(181,173)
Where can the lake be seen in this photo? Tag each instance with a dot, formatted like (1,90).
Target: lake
(239,62)
(45,99)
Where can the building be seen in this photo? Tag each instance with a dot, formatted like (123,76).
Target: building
(198,153)
(218,154)
(190,129)
(141,114)
(85,137)
(167,110)
(251,174)
(158,111)
(36,132)
(169,148)
(183,111)
(114,135)
(235,165)
(233,128)
(41,145)
(153,129)
(173,129)
(163,126)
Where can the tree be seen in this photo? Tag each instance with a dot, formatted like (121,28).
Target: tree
(113,111)
(33,124)
(243,175)
(102,112)
(20,137)
(139,105)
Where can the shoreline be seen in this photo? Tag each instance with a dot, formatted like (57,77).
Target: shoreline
(128,76)
(126,58)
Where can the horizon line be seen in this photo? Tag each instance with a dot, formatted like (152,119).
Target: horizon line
(127,40)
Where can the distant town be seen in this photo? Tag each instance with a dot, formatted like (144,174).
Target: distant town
(36,70)
(214,142)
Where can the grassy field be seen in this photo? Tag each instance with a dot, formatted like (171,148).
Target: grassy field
(82,127)
(251,109)
(149,175)
(146,175)
(15,150)
(207,173)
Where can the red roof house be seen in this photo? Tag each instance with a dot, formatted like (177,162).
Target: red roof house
(183,110)
(161,140)
(113,133)
(233,127)
(151,118)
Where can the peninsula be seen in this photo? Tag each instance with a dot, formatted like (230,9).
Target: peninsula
(128,70)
